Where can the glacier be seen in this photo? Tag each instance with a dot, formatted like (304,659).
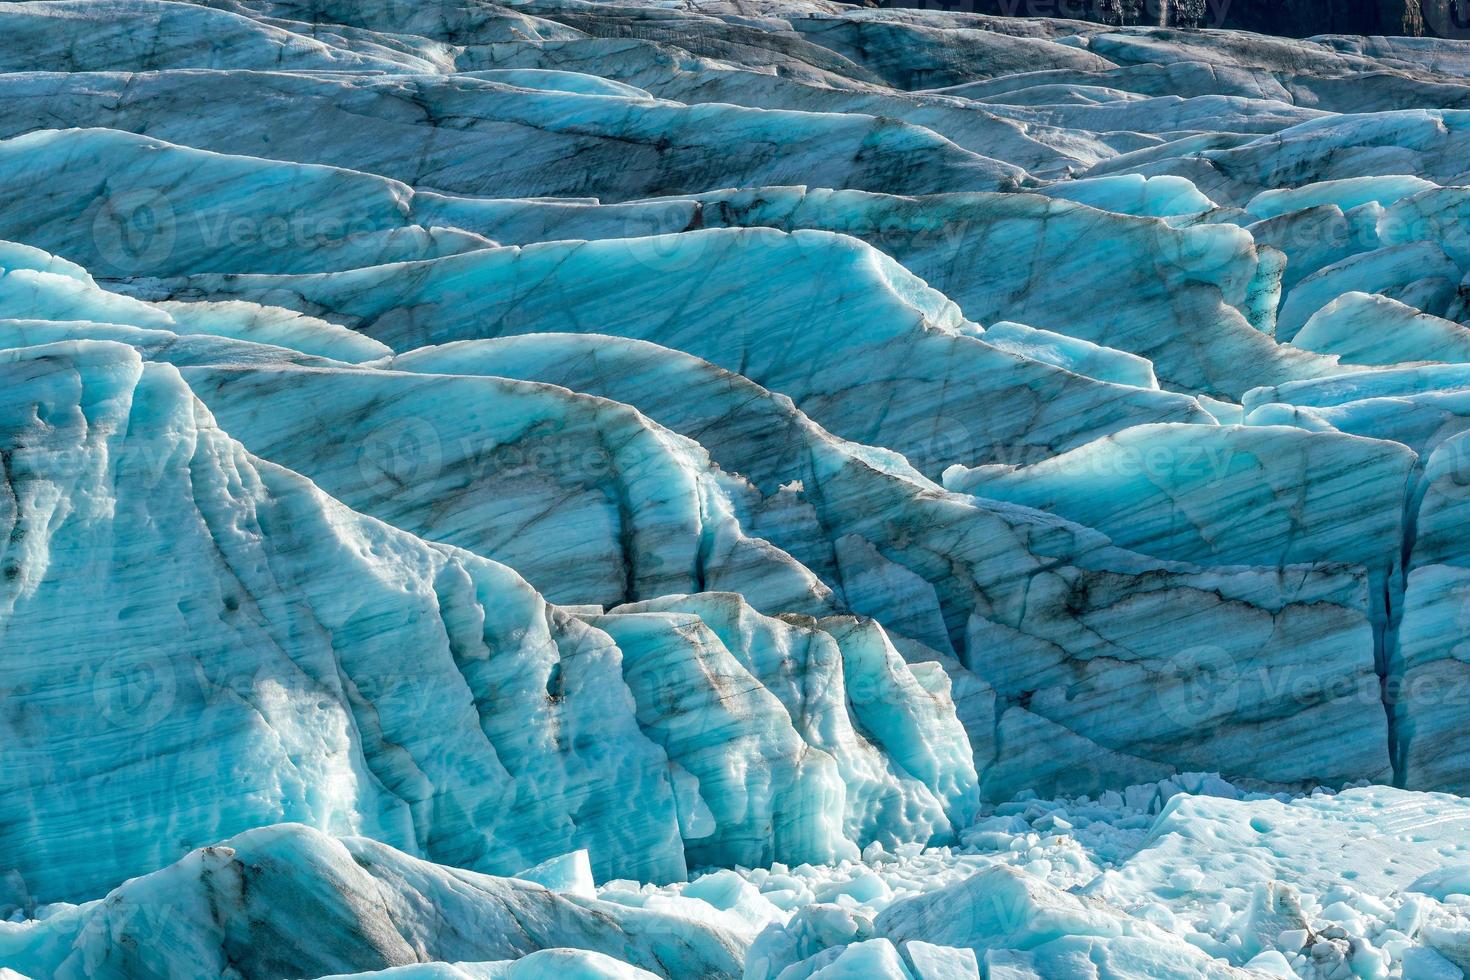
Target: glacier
(761,489)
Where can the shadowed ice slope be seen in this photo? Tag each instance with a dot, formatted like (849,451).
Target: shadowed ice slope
(235,906)
(769,305)
(1000,587)
(622,147)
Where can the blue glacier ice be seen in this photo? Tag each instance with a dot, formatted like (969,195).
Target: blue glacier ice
(806,307)
(774,489)
(1373,329)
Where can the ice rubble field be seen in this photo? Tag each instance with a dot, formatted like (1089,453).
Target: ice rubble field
(729,489)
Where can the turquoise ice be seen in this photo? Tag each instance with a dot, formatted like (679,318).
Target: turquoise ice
(777,490)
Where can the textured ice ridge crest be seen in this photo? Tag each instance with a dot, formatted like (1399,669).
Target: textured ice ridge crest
(767,490)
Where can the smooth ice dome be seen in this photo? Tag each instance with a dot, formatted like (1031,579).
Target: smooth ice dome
(553,489)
